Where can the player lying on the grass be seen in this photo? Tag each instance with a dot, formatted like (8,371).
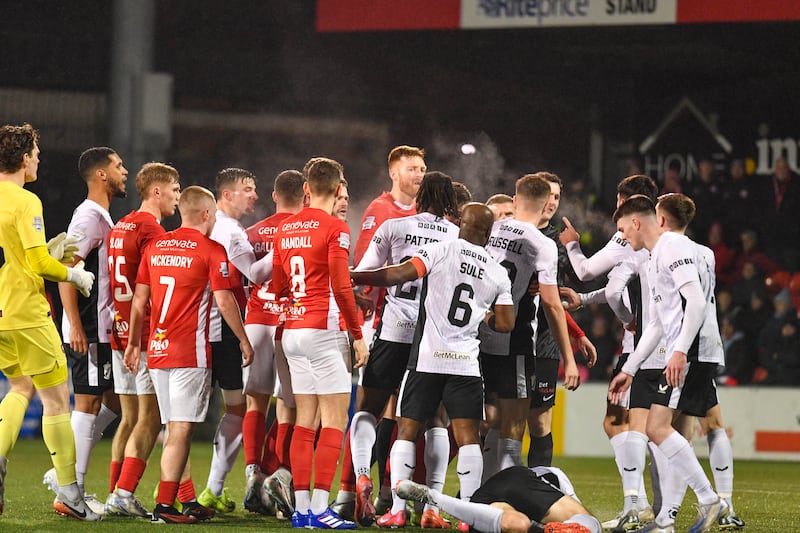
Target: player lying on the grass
(515,500)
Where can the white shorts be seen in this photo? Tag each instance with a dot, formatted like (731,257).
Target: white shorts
(283,385)
(127,383)
(182,393)
(259,376)
(316,360)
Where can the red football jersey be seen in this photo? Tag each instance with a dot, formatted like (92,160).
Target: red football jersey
(262,308)
(378,211)
(182,268)
(312,250)
(126,243)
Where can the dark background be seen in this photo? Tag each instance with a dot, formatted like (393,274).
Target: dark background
(533,95)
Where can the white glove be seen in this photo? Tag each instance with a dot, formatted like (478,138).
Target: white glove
(82,279)
(62,248)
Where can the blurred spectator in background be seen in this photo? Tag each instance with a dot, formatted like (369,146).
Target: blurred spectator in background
(607,346)
(740,360)
(672,178)
(779,200)
(749,280)
(737,203)
(705,190)
(752,253)
(770,333)
(724,256)
(781,365)
(754,315)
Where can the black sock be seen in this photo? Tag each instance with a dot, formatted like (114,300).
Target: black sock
(383,445)
(541,451)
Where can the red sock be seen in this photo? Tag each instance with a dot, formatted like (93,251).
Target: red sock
(167,491)
(253,434)
(186,491)
(348,480)
(326,459)
(302,457)
(114,468)
(131,473)
(269,458)
(282,443)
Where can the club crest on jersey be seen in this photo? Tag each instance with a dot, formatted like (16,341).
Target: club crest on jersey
(344,240)
(223,269)
(369,223)
(38,224)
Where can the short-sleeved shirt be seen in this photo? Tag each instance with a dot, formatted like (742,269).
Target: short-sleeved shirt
(381,209)
(461,283)
(182,268)
(394,242)
(224,230)
(526,254)
(90,226)
(262,307)
(23,303)
(311,254)
(676,260)
(126,242)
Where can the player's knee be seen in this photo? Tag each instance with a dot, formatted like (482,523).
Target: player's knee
(514,522)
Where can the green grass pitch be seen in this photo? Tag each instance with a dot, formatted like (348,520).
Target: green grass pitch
(766,493)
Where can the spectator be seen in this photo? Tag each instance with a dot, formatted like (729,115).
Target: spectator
(782,365)
(749,279)
(607,346)
(704,190)
(751,253)
(754,315)
(737,197)
(724,256)
(770,334)
(740,361)
(780,202)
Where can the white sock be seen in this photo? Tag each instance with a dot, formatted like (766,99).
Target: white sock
(490,446)
(618,445)
(227,442)
(643,502)
(319,501)
(672,489)
(437,456)
(659,466)
(683,459)
(588,521)
(510,453)
(720,455)
(469,469)
(104,418)
(479,515)
(83,428)
(402,460)
(633,452)
(362,439)
(302,501)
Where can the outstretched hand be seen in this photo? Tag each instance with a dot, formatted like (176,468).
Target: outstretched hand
(569,234)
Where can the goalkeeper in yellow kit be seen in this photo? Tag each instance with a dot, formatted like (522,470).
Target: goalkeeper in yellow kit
(31,356)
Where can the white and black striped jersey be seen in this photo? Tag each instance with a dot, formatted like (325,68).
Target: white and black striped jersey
(395,241)
(526,254)
(90,225)
(462,282)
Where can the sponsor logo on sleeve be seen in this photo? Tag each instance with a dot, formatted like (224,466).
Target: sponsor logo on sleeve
(38,224)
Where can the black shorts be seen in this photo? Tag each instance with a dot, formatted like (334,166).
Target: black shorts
(648,387)
(91,373)
(226,361)
(699,391)
(422,392)
(697,395)
(506,377)
(545,379)
(520,488)
(386,365)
